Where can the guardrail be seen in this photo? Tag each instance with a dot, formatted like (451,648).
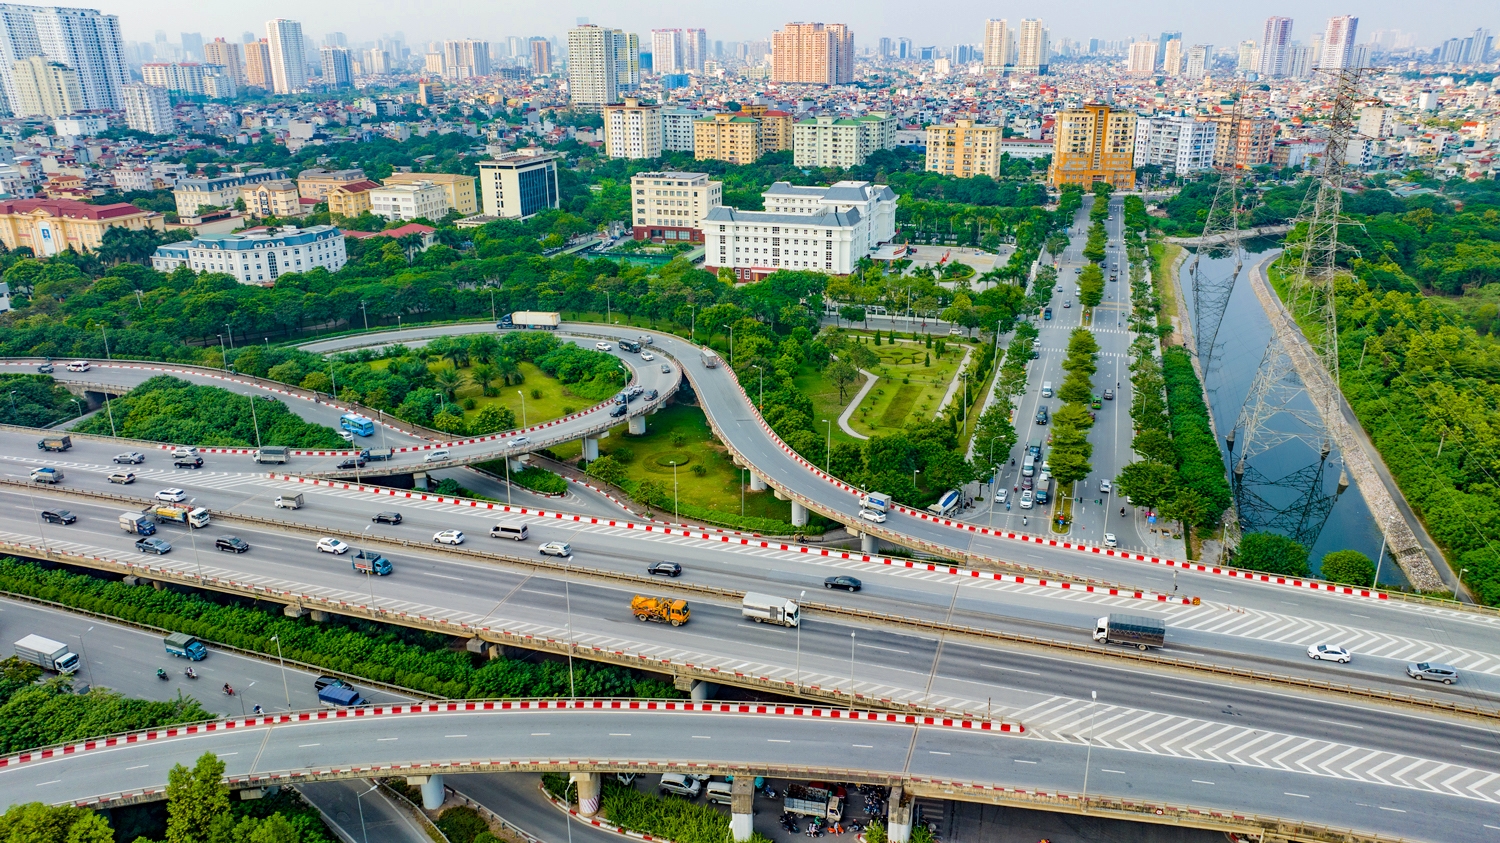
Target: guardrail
(712,674)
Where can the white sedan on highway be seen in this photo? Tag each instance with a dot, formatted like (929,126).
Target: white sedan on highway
(647,356)
(449,537)
(1329,653)
(331,545)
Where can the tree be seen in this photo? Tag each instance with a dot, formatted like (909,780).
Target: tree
(1272,553)
(1156,446)
(1349,567)
(484,374)
(1185,507)
(650,492)
(35,822)
(448,380)
(1146,482)
(842,374)
(198,803)
(1076,388)
(493,418)
(1091,286)
(450,422)
(852,313)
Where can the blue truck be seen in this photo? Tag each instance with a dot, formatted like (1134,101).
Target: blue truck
(185,646)
(340,696)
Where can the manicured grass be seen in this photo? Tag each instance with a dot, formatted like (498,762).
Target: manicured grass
(907,391)
(556,399)
(717,489)
(825,400)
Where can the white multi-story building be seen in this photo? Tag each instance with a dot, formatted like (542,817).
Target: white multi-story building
(218,192)
(519,184)
(671,206)
(632,130)
(593,66)
(82,39)
(826,229)
(81,125)
(180,77)
(1180,145)
(1196,61)
(1338,43)
(148,109)
(257,256)
(130,179)
(666,51)
(1276,47)
(677,128)
(288,56)
(422,199)
(841,142)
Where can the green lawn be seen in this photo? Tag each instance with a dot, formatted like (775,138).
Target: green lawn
(907,390)
(556,399)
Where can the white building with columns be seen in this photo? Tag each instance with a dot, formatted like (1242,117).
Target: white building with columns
(825,229)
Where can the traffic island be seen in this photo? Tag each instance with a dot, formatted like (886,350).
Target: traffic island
(1062,509)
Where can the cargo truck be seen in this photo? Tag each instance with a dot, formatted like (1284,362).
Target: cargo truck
(273,454)
(370,562)
(177,514)
(46,475)
(660,610)
(377,454)
(46,654)
(185,646)
(876,502)
(813,801)
(709,357)
(534,320)
(340,696)
(289,501)
(55,443)
(763,608)
(1131,630)
(138,523)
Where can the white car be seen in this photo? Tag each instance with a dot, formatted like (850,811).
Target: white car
(171,495)
(1027,499)
(79,366)
(449,537)
(647,356)
(872,515)
(436,456)
(1105,486)
(346,436)
(334,546)
(1002,496)
(603,346)
(521,440)
(1110,540)
(1329,653)
(556,549)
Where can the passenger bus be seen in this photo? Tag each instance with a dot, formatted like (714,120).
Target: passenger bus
(357,424)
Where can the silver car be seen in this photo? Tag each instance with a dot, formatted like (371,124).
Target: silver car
(436,456)
(1433,671)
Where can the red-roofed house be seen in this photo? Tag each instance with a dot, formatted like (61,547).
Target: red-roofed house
(426,232)
(350,200)
(49,226)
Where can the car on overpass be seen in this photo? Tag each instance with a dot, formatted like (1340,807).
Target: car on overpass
(231,544)
(844,582)
(603,346)
(387,518)
(332,545)
(556,549)
(436,456)
(154,545)
(665,569)
(872,515)
(58,516)
(171,495)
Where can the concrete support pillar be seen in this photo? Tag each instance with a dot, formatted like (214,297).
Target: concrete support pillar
(591,448)
(898,817)
(293,611)
(158,585)
(433,795)
(703,691)
(419,480)
(588,793)
(318,616)
(638,425)
(757,483)
(741,807)
(868,543)
(799,515)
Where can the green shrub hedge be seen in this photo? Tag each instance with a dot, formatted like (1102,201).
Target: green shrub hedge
(1200,466)
(168,409)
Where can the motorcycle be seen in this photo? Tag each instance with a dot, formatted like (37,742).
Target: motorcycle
(190,673)
(161,674)
(228,691)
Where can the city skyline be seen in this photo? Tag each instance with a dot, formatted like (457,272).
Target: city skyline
(963,21)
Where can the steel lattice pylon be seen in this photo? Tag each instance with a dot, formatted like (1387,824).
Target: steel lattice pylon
(1221,232)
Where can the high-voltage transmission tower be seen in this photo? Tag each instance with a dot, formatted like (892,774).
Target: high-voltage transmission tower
(1295,396)
(1221,232)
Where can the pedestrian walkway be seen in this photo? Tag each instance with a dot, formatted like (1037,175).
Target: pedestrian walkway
(870,379)
(963,366)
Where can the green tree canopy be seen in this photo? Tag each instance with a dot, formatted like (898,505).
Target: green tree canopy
(1272,553)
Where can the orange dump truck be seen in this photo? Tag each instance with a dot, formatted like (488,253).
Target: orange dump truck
(660,609)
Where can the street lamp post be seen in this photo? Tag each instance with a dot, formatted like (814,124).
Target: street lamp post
(762,372)
(284,687)
(675,516)
(828,451)
(80,407)
(800,598)
(366,315)
(523,407)
(87,669)
(568,601)
(229,331)
(193,537)
(1458,580)
(1088,757)
(106,343)
(731,344)
(254,421)
(358,800)
(223,355)
(108,412)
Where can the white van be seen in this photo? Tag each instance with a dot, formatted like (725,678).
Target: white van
(517,532)
(1046,389)
(79,366)
(1028,467)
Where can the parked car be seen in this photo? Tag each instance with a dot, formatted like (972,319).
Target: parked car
(665,569)
(387,518)
(1329,653)
(676,784)
(154,545)
(130,458)
(436,456)
(58,516)
(449,537)
(332,545)
(845,582)
(1433,671)
(231,544)
(171,495)
(556,549)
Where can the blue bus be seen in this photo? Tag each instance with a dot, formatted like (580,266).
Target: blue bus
(355,423)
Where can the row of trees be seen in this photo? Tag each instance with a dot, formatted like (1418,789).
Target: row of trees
(169,409)
(1071,449)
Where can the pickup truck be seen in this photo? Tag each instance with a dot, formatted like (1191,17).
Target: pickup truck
(340,696)
(370,562)
(185,646)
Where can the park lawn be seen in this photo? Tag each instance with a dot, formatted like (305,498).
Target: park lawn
(892,404)
(825,400)
(556,399)
(718,489)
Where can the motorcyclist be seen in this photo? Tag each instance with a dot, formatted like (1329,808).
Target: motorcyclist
(191,674)
(161,673)
(228,690)
(259,710)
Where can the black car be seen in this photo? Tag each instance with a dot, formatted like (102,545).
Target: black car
(846,583)
(667,569)
(46,368)
(619,410)
(1041,416)
(233,544)
(387,518)
(651,394)
(188,462)
(325,681)
(352,463)
(58,516)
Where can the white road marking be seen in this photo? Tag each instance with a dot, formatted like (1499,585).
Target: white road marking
(1011,669)
(540,734)
(1298,795)
(1019,761)
(776,740)
(138,767)
(455,736)
(1200,781)
(306,745)
(378,740)
(619,734)
(44,784)
(1340,723)
(1396,810)
(862,746)
(935,752)
(1119,772)
(1178,697)
(1480,748)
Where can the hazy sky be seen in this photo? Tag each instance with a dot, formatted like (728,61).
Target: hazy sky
(944,22)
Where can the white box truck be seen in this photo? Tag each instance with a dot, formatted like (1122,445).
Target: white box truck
(763,608)
(46,654)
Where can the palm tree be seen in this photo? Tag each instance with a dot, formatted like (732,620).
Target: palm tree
(484,374)
(447,380)
(510,370)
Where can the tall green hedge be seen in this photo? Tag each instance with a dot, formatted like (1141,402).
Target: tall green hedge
(1200,466)
(168,409)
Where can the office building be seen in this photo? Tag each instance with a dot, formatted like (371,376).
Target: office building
(148,109)
(666,51)
(316,183)
(195,194)
(671,206)
(677,128)
(258,64)
(229,56)
(1338,43)
(1032,48)
(1092,144)
(466,59)
(419,199)
(813,53)
(459,192)
(593,80)
(338,67)
(727,136)
(81,39)
(257,257)
(1276,48)
(51,226)
(999,45)
(277,198)
(431,93)
(541,56)
(45,88)
(1196,62)
(351,199)
(827,229)
(1171,63)
(519,184)
(632,130)
(288,54)
(1142,60)
(964,149)
(1180,145)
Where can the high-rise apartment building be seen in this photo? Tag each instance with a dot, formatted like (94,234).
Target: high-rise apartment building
(466,59)
(45,88)
(632,130)
(964,149)
(666,51)
(1142,61)
(1242,142)
(593,77)
(1196,61)
(1249,57)
(1171,63)
(178,77)
(886,48)
(1092,144)
(1032,49)
(541,56)
(288,56)
(81,39)
(813,53)
(1338,43)
(258,64)
(694,50)
(727,136)
(229,56)
(999,44)
(677,128)
(1181,145)
(1276,47)
(192,46)
(627,60)
(148,109)
(1161,45)
(338,67)
(376,62)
